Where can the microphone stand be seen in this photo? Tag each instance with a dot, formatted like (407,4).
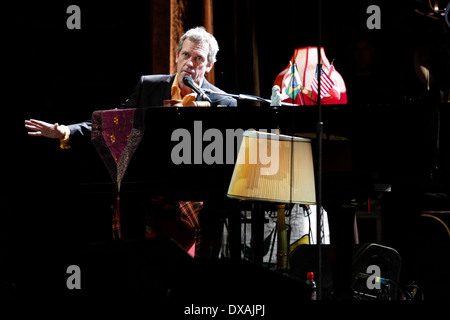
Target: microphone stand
(248,97)
(319,163)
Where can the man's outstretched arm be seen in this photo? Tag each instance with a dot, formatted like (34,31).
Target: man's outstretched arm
(44,129)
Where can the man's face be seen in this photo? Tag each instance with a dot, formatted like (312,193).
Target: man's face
(193,60)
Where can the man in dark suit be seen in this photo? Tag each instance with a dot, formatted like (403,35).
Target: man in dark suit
(151,91)
(195,57)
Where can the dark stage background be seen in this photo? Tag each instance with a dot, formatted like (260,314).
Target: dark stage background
(60,75)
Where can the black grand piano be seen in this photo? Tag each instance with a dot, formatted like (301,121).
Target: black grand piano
(383,142)
(400,144)
(405,146)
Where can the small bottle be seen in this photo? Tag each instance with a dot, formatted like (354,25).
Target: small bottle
(310,282)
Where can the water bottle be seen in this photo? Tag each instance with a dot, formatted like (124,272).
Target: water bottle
(310,282)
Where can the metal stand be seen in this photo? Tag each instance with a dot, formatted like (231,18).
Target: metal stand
(319,164)
(282,253)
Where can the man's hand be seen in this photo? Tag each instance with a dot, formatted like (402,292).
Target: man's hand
(44,129)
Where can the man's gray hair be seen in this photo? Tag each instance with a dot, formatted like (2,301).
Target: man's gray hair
(199,34)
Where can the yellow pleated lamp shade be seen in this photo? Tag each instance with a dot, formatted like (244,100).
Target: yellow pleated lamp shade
(274,168)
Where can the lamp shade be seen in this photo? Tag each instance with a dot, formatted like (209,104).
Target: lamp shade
(274,168)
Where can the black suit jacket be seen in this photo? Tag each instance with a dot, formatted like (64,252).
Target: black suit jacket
(151,91)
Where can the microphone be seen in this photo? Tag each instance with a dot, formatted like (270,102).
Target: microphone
(187,80)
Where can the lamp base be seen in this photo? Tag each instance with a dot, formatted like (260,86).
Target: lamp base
(282,254)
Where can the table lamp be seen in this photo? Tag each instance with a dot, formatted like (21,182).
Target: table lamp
(275,168)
